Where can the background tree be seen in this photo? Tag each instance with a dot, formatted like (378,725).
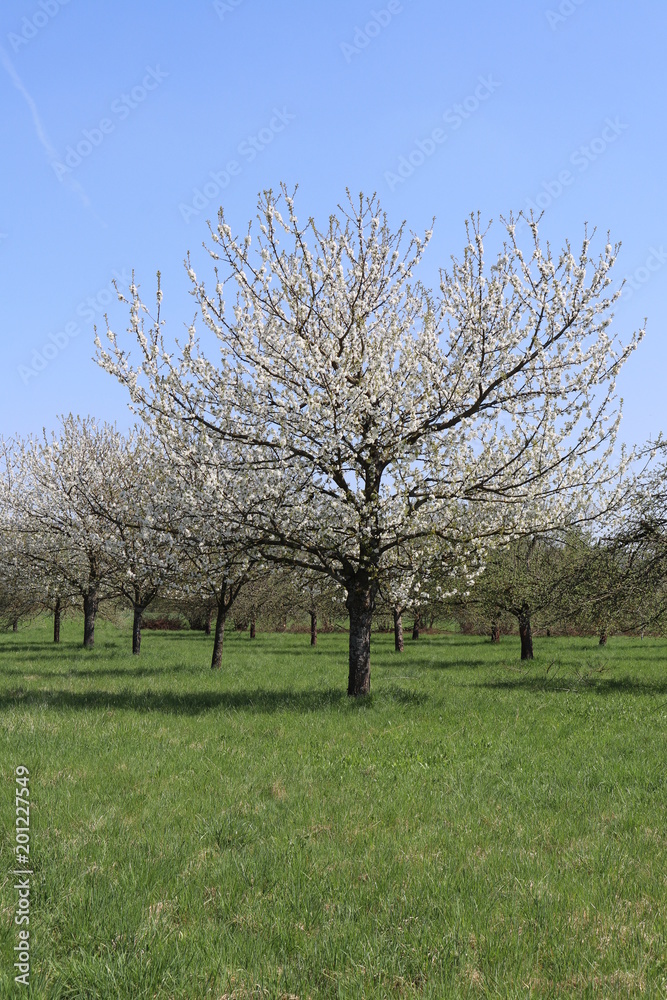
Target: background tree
(639,549)
(526,580)
(214,547)
(58,484)
(137,514)
(319,597)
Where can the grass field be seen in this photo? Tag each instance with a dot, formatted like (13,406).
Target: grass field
(476,828)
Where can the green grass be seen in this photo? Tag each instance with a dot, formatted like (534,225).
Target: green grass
(476,828)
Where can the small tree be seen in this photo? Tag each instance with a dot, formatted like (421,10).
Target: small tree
(524,580)
(136,514)
(634,554)
(59,484)
(214,547)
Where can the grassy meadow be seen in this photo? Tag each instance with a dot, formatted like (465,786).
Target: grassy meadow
(478,827)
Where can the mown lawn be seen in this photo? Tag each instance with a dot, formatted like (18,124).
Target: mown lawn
(476,828)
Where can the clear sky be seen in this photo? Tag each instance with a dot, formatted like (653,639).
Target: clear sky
(125,126)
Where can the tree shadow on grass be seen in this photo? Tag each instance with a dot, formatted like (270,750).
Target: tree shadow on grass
(56,651)
(442,663)
(188,703)
(404,697)
(130,672)
(596,685)
(41,647)
(285,650)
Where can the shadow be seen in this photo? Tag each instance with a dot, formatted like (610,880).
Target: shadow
(598,685)
(443,664)
(181,704)
(41,647)
(447,639)
(172,634)
(131,671)
(68,648)
(403,697)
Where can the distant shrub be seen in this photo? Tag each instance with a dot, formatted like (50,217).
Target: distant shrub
(164,624)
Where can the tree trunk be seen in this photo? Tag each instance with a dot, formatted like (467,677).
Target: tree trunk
(136,627)
(56,621)
(89,612)
(360,601)
(603,637)
(253,630)
(495,632)
(207,624)
(398,631)
(15,625)
(216,659)
(526,634)
(415,627)
(313,628)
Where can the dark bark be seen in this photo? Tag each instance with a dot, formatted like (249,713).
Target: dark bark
(15,625)
(313,628)
(603,637)
(415,627)
(56,620)
(253,628)
(89,611)
(139,609)
(526,635)
(398,631)
(360,603)
(207,623)
(216,659)
(495,632)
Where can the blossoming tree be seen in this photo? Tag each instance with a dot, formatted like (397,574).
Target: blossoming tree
(62,538)
(91,510)
(208,516)
(371,412)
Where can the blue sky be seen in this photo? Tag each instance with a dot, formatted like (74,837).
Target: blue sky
(125,125)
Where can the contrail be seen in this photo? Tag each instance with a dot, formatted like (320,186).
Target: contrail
(49,148)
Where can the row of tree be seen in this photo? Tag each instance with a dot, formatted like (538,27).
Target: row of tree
(353,425)
(92,516)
